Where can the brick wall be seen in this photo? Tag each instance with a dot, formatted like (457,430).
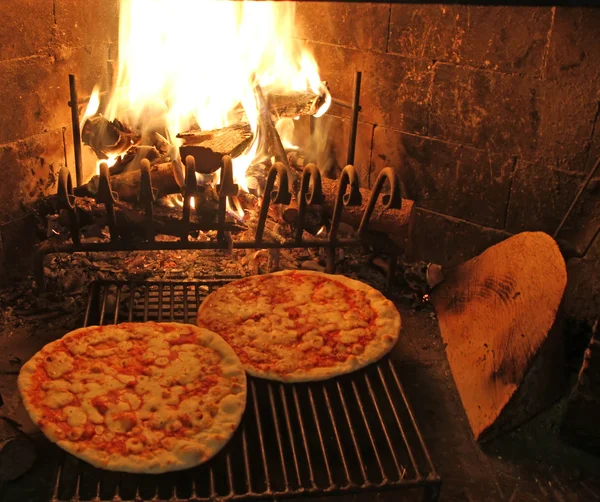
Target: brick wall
(41,42)
(490,114)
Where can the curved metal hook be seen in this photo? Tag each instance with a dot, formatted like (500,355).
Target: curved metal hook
(353,198)
(227,188)
(305,198)
(67,202)
(280,196)
(65,189)
(105,196)
(393,200)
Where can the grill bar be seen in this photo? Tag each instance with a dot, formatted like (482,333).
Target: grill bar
(354,435)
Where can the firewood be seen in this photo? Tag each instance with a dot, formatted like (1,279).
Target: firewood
(17,451)
(208,147)
(166,179)
(130,219)
(395,223)
(498,315)
(294,104)
(108,137)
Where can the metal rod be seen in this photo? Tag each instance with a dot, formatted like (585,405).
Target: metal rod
(361,462)
(311,473)
(246,459)
(369,432)
(354,123)
(401,470)
(290,433)
(399,423)
(76,130)
(577,197)
(260,436)
(278,436)
(337,438)
(117,303)
(320,434)
(412,418)
(103,305)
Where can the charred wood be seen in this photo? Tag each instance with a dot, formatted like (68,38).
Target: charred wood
(294,104)
(107,137)
(166,179)
(130,219)
(208,147)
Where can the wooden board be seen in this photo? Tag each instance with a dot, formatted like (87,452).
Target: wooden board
(498,317)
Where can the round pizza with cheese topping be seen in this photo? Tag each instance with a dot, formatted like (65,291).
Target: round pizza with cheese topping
(137,397)
(298,326)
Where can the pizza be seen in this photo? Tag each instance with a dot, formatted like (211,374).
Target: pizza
(298,326)
(137,397)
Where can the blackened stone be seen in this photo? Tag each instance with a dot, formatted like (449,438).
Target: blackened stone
(449,241)
(394,92)
(574,51)
(426,31)
(327,146)
(3,270)
(357,25)
(490,111)
(497,38)
(90,23)
(582,296)
(26,28)
(29,169)
(447,178)
(337,66)
(339,132)
(19,241)
(568,110)
(34,91)
(540,197)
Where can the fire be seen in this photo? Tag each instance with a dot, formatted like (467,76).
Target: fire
(190,63)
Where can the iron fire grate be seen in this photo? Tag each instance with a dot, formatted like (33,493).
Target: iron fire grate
(355,434)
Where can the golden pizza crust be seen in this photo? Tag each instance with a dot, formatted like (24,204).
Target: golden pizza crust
(153,444)
(221,313)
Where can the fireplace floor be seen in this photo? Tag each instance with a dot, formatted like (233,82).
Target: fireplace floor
(531,463)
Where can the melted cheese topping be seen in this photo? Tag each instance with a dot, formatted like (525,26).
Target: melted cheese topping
(285,323)
(133,390)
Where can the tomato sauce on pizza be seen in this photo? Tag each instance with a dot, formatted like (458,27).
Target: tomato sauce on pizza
(300,325)
(137,397)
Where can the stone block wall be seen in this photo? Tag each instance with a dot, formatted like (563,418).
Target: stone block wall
(489,113)
(41,42)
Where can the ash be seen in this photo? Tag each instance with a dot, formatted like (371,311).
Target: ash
(68,276)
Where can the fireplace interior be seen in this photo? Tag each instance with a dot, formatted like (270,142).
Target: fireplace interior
(447,155)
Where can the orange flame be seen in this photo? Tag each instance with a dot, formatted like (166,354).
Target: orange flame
(184,63)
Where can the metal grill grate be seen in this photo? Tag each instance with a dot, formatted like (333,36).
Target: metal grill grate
(349,435)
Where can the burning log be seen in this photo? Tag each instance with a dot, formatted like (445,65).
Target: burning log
(17,451)
(107,137)
(271,137)
(209,147)
(498,317)
(131,219)
(167,178)
(294,104)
